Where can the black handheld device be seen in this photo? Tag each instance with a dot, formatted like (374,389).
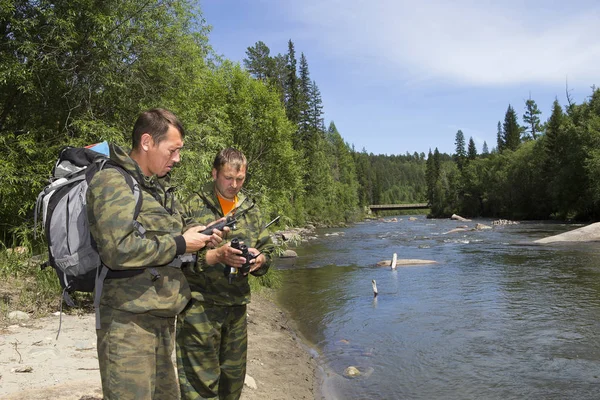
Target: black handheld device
(245,268)
(228,221)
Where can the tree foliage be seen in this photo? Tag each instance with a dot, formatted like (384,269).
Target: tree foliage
(511,130)
(554,176)
(460,154)
(76,73)
(484,149)
(532,119)
(258,61)
(472,150)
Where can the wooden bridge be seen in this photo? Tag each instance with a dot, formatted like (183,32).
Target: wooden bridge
(386,207)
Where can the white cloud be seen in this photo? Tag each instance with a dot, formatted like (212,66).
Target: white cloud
(461,42)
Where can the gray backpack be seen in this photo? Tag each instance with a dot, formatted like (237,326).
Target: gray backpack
(71,249)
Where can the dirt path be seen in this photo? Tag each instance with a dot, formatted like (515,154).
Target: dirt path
(67,368)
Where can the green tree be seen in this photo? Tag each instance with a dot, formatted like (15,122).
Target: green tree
(431,176)
(500,143)
(532,118)
(365,178)
(315,108)
(305,127)
(484,149)
(257,61)
(511,129)
(343,170)
(460,154)
(74,73)
(472,150)
(278,74)
(292,90)
(553,129)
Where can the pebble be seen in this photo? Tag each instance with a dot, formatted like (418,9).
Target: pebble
(18,316)
(250,382)
(351,372)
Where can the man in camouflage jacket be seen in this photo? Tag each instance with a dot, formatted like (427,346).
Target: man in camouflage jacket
(137,312)
(211,331)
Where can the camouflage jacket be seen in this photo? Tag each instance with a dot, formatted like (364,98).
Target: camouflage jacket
(209,283)
(110,210)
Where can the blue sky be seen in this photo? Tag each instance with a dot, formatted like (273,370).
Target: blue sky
(403,76)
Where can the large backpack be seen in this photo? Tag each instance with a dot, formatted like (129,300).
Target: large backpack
(71,249)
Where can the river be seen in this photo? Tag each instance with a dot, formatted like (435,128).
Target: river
(496,317)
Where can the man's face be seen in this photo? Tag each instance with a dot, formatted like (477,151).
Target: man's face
(229,180)
(164,155)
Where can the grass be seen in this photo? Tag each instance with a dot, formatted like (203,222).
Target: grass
(24,286)
(270,280)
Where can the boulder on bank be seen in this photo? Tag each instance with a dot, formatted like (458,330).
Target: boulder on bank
(288,254)
(289,235)
(588,233)
(294,235)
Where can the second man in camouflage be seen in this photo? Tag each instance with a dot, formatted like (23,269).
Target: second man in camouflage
(211,331)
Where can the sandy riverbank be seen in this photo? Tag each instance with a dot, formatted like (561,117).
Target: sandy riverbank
(67,368)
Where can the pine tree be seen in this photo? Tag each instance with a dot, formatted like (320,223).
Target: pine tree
(315,108)
(532,119)
(258,62)
(553,128)
(500,139)
(430,176)
(277,73)
(437,164)
(512,130)
(460,154)
(472,151)
(304,128)
(343,170)
(292,92)
(434,199)
(484,150)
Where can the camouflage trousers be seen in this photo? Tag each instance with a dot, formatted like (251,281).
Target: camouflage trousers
(211,351)
(135,356)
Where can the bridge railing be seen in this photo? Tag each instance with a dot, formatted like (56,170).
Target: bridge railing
(385,207)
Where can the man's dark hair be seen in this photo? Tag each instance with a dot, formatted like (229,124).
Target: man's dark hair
(155,122)
(230,156)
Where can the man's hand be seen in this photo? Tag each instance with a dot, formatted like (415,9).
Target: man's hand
(226,255)
(194,240)
(220,224)
(220,233)
(258,261)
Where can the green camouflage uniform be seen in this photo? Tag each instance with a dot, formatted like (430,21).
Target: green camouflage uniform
(137,313)
(211,331)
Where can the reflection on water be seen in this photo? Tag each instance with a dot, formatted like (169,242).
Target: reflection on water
(496,318)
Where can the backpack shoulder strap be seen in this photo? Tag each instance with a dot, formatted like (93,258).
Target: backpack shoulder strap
(133,185)
(102,270)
